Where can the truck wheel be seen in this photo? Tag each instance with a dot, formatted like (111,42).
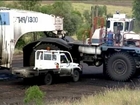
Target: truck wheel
(121,66)
(76,75)
(48,79)
(41,46)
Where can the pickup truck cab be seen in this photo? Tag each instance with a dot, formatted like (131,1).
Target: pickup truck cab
(49,64)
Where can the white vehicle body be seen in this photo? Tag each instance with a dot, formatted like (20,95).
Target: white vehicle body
(15,23)
(49,59)
(60,62)
(112,26)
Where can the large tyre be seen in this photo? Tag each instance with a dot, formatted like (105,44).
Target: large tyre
(41,46)
(76,75)
(48,79)
(121,66)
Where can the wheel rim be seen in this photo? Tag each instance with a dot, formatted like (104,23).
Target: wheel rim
(119,66)
(76,75)
(48,79)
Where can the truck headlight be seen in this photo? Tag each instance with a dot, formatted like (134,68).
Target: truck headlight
(81,66)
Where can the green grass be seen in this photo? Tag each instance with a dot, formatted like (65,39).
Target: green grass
(110,8)
(124,6)
(18,51)
(109,97)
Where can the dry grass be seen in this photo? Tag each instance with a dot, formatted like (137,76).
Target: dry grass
(110,8)
(110,97)
(117,5)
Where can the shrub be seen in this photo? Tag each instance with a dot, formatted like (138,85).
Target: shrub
(34,95)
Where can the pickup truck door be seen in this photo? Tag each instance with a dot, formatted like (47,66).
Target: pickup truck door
(64,65)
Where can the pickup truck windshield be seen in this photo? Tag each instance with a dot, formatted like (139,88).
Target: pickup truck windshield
(63,59)
(68,56)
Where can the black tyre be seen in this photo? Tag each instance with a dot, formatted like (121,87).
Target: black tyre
(121,66)
(48,79)
(41,46)
(76,75)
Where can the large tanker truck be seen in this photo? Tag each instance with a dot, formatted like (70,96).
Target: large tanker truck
(120,60)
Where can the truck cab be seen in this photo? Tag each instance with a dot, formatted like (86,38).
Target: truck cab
(121,22)
(111,45)
(51,63)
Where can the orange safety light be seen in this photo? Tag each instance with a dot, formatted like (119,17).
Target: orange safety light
(48,48)
(57,65)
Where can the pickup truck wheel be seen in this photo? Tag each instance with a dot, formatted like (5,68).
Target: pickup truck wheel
(121,66)
(41,46)
(76,75)
(48,79)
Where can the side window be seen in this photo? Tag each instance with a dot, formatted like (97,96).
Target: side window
(54,57)
(132,25)
(47,56)
(119,25)
(68,57)
(63,59)
(108,24)
(126,26)
(39,55)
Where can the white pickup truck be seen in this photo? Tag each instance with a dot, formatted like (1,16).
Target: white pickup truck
(49,64)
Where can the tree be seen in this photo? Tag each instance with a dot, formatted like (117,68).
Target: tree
(2,3)
(136,9)
(72,18)
(87,16)
(136,14)
(29,4)
(65,9)
(46,9)
(84,30)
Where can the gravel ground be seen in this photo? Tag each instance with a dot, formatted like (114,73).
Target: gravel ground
(12,90)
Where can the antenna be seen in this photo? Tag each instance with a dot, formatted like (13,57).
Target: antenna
(117,12)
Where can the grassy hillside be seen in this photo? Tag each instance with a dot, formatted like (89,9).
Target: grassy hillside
(110,8)
(124,6)
(105,2)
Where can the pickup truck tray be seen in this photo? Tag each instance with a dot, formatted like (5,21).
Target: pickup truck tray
(24,71)
(27,72)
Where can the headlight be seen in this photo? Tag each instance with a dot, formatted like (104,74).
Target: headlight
(81,66)
(137,43)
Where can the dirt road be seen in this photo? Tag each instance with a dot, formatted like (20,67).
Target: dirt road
(12,91)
